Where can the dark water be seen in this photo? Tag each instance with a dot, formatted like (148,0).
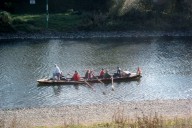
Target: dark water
(166,64)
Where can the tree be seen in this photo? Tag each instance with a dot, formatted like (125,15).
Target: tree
(8,5)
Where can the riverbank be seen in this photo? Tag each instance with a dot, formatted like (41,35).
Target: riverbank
(93,34)
(96,113)
(101,16)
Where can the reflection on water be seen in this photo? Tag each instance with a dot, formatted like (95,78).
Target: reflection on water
(165,62)
(57,90)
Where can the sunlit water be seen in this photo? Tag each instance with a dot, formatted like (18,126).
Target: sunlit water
(166,64)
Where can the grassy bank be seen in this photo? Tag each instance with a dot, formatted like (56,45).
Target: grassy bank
(97,15)
(142,114)
(86,21)
(119,121)
(56,22)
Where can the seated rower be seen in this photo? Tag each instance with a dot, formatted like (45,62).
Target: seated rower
(101,74)
(118,71)
(106,75)
(91,75)
(139,72)
(118,74)
(76,76)
(87,74)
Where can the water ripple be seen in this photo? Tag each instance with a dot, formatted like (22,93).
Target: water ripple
(165,63)
(82,35)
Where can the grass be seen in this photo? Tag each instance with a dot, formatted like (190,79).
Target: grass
(64,22)
(86,21)
(118,121)
(34,23)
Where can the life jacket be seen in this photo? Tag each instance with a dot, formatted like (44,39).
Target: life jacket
(139,71)
(76,77)
(102,73)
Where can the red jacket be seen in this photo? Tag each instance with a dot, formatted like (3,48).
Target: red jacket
(101,73)
(76,77)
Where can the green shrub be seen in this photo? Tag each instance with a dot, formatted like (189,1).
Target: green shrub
(6,22)
(5,18)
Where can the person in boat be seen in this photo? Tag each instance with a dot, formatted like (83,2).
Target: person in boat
(106,75)
(89,74)
(76,76)
(119,71)
(139,72)
(118,74)
(101,74)
(57,72)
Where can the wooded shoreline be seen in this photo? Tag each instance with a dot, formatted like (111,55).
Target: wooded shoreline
(92,15)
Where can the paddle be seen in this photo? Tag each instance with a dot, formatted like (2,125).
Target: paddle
(112,83)
(89,85)
(100,82)
(86,83)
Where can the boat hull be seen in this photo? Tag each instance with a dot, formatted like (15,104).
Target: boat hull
(70,82)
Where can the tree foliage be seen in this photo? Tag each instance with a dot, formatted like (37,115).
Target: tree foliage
(5,22)
(55,6)
(114,14)
(113,6)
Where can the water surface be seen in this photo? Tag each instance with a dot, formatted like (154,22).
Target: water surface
(165,62)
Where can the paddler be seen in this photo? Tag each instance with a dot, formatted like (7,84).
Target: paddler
(101,74)
(106,75)
(118,71)
(139,72)
(76,76)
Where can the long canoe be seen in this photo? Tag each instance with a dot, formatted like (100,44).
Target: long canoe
(68,81)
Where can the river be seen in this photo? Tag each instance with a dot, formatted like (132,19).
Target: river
(166,64)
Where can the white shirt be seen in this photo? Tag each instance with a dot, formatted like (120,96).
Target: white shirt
(57,70)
